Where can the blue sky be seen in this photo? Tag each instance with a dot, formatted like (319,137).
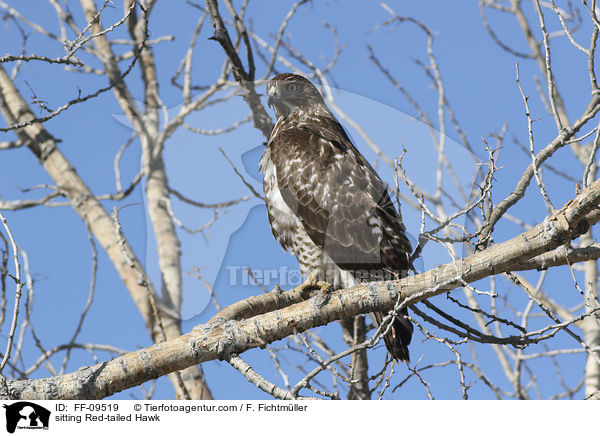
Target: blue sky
(479,81)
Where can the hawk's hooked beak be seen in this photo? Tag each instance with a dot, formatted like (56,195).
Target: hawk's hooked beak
(272,96)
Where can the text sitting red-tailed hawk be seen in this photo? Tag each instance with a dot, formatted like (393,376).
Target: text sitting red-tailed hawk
(326,204)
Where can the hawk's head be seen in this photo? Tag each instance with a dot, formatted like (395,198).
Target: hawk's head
(288,92)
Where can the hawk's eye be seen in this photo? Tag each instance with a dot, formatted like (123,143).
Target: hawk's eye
(292,87)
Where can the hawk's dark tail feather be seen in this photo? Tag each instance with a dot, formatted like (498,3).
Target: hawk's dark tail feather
(398,336)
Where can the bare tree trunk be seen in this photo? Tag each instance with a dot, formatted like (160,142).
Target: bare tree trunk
(354,333)
(591,329)
(591,325)
(43,145)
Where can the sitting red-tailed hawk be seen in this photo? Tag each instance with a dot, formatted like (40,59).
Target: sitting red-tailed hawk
(326,204)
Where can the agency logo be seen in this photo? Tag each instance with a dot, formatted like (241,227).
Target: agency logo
(26,415)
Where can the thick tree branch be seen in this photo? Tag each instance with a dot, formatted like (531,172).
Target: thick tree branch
(222,338)
(564,255)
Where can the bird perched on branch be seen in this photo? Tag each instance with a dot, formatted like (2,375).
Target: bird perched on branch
(326,204)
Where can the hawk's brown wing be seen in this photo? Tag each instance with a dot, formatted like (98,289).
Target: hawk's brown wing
(343,205)
(340,200)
